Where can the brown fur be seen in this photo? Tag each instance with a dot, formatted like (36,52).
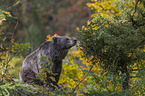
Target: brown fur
(55,51)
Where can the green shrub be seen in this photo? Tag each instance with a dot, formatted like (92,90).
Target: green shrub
(15,65)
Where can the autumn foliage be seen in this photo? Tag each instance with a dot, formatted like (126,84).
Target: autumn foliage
(115,36)
(108,60)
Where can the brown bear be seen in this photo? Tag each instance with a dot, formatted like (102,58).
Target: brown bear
(55,51)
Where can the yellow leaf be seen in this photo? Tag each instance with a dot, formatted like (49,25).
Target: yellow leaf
(12,40)
(77,28)
(56,35)
(49,38)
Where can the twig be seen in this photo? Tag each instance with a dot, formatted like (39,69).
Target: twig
(14,5)
(135,7)
(139,69)
(83,78)
(10,45)
(140,43)
(19,92)
(116,92)
(10,60)
(12,38)
(1,91)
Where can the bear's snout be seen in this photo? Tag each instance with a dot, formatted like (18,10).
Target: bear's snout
(75,41)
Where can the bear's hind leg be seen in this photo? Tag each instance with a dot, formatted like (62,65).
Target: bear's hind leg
(29,77)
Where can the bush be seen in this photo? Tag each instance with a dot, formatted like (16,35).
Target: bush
(115,36)
(16,64)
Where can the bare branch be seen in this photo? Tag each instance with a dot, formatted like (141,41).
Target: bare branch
(84,77)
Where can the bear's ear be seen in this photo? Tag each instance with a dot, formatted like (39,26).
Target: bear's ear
(54,39)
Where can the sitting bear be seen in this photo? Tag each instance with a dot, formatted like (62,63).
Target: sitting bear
(54,51)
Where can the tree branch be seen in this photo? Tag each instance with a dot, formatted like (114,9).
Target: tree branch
(84,77)
(141,43)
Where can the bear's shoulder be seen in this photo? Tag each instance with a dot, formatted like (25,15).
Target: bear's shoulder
(44,45)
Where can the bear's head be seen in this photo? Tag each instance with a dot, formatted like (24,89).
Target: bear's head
(60,46)
(64,42)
